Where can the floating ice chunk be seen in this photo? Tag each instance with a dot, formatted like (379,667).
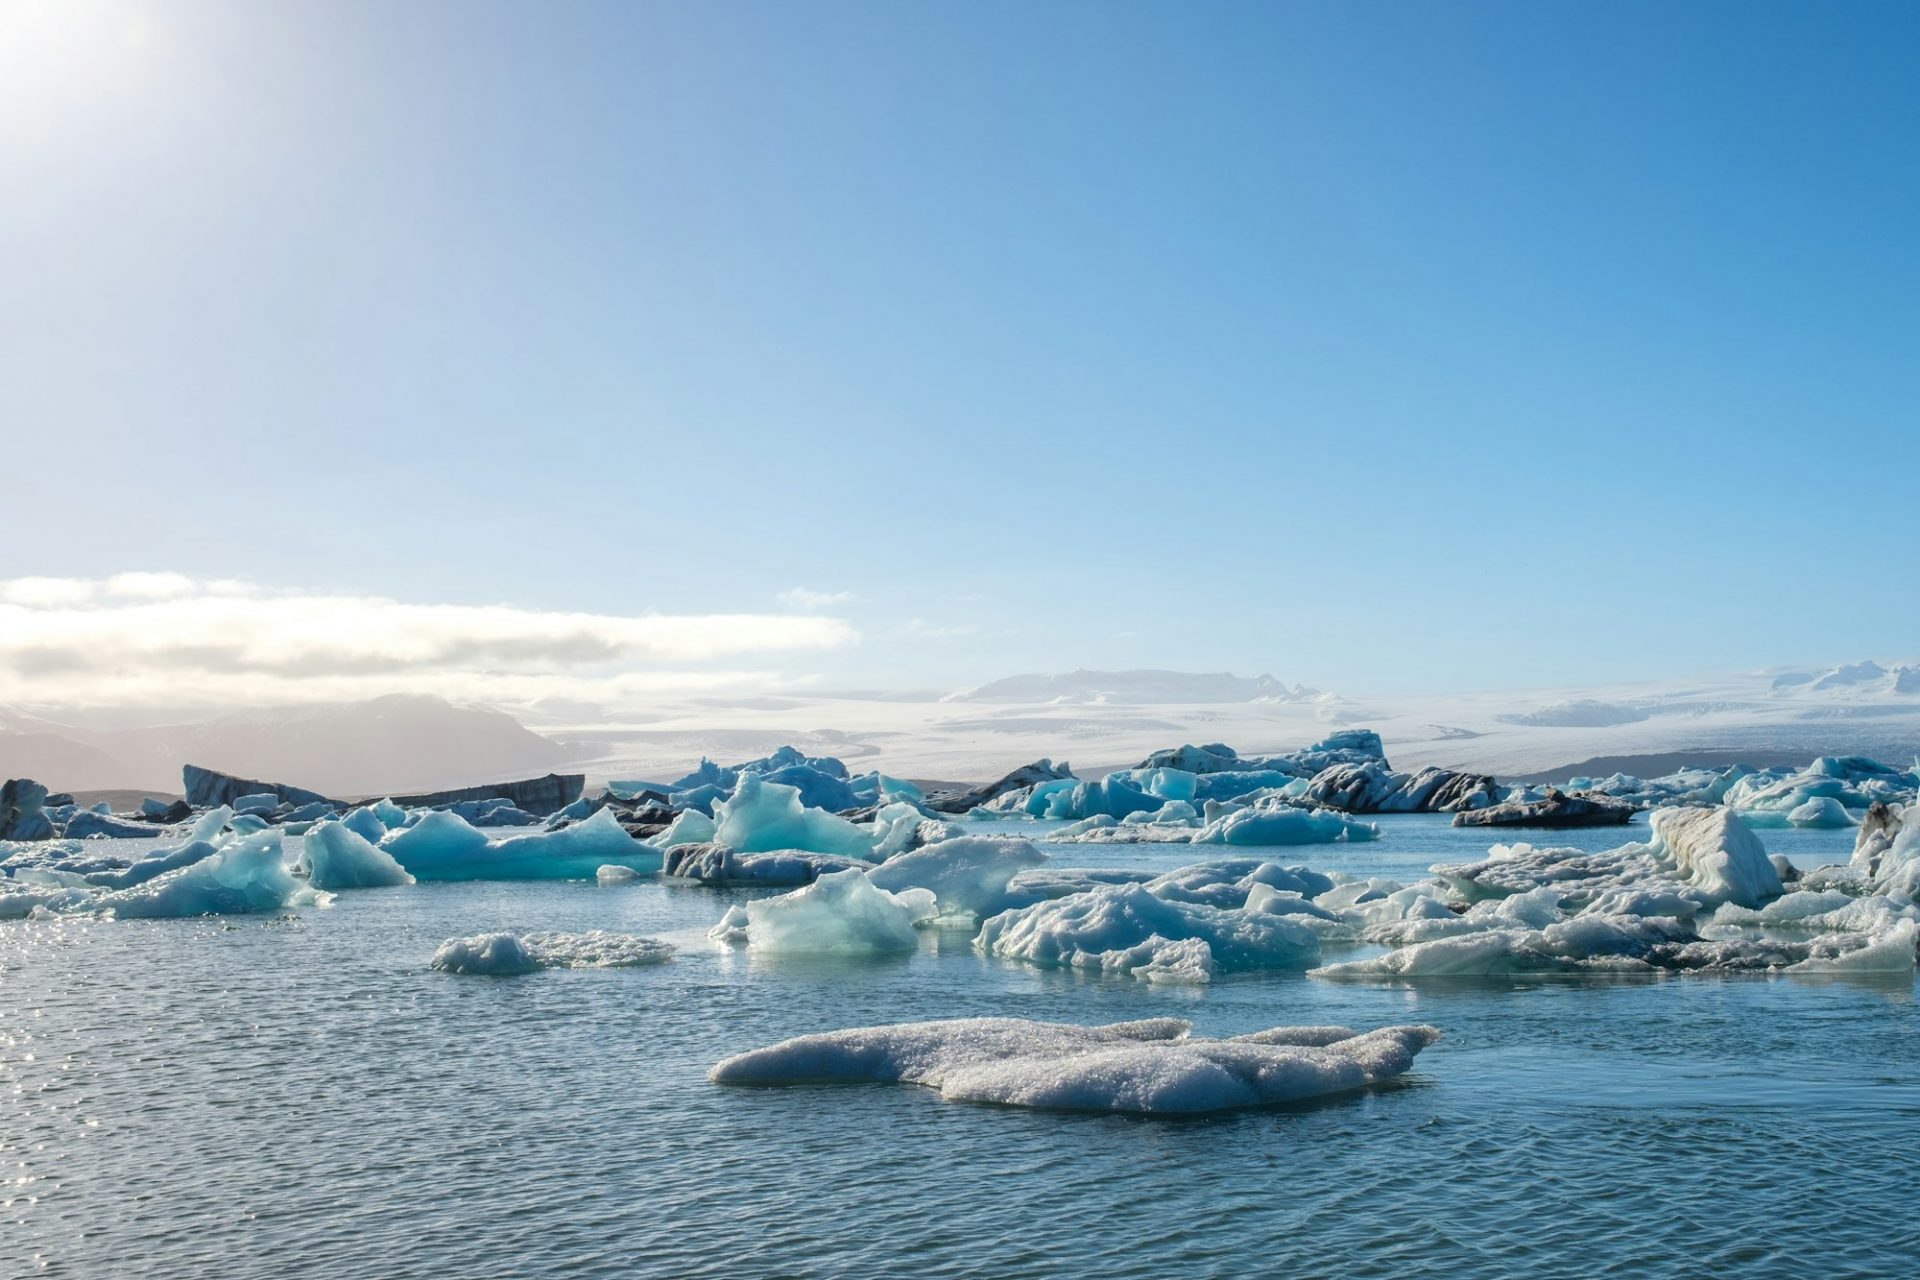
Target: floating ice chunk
(1227,883)
(1424,919)
(37,894)
(365,822)
(509,954)
(1286,902)
(1284,825)
(1818,911)
(765,815)
(259,802)
(1188,962)
(842,913)
(1482,954)
(1104,828)
(245,876)
(691,827)
(571,853)
(895,829)
(91,825)
(611,874)
(440,846)
(1889,951)
(1053,882)
(444,846)
(1716,852)
(1140,1067)
(967,876)
(716,864)
(209,824)
(1083,932)
(334,856)
(157,863)
(1821,811)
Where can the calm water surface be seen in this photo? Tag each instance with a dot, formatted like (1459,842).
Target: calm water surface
(300,1095)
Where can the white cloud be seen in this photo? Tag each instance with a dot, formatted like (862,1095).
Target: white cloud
(921,629)
(158,639)
(802,598)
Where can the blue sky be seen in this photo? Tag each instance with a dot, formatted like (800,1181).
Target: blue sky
(1383,347)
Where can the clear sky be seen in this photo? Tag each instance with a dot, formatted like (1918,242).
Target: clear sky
(1380,346)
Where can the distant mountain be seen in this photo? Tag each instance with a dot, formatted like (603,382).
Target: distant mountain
(1143,687)
(1865,677)
(403,742)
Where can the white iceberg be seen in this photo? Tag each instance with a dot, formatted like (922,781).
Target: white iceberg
(843,913)
(1284,825)
(1150,1067)
(508,954)
(1105,929)
(967,876)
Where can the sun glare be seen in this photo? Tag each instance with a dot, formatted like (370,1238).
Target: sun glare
(61,56)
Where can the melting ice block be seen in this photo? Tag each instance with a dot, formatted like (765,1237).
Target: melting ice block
(444,846)
(967,876)
(334,856)
(1150,1067)
(842,913)
(763,816)
(509,954)
(1284,825)
(1111,929)
(247,875)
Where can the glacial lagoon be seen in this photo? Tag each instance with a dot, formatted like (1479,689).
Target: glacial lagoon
(297,1092)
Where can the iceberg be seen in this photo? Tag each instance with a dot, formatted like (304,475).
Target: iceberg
(967,876)
(444,846)
(1634,944)
(1102,930)
(1283,825)
(246,875)
(763,816)
(715,864)
(334,856)
(1820,811)
(367,823)
(22,811)
(1227,883)
(1717,853)
(1149,1068)
(440,846)
(842,913)
(511,954)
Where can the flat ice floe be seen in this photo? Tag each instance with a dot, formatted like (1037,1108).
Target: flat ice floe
(509,954)
(1152,1067)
